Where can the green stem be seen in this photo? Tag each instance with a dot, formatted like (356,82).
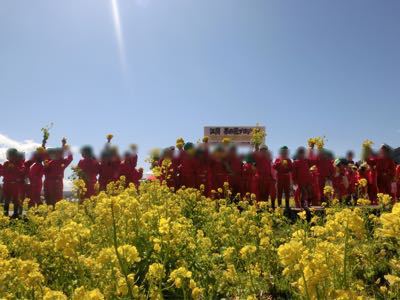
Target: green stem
(120,262)
(345,256)
(305,285)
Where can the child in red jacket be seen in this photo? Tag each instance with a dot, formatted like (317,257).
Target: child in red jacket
(266,181)
(340,180)
(54,169)
(35,175)
(89,168)
(13,172)
(385,170)
(302,178)
(250,177)
(283,166)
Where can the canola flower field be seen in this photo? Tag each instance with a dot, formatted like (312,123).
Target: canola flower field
(158,244)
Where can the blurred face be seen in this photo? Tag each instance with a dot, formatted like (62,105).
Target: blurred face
(350,156)
(301,155)
(168,154)
(191,151)
(383,152)
(59,155)
(284,154)
(38,157)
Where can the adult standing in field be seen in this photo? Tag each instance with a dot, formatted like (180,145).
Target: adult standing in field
(54,168)
(88,169)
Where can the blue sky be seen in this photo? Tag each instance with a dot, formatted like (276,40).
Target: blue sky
(301,68)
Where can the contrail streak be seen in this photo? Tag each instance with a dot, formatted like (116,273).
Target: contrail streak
(118,32)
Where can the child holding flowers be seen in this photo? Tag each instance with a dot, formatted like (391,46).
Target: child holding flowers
(283,166)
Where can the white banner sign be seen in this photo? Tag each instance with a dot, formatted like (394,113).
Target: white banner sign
(237,134)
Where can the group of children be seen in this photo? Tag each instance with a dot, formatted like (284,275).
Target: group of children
(257,175)
(214,170)
(23,178)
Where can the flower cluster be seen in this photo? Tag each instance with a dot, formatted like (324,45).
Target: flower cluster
(258,135)
(318,141)
(158,244)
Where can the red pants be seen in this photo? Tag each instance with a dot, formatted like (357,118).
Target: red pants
(303,195)
(35,191)
(372,193)
(188,181)
(398,191)
(219,180)
(267,189)
(53,191)
(13,192)
(90,190)
(235,184)
(283,186)
(385,187)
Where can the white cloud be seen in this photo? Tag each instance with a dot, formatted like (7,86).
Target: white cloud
(67,184)
(26,146)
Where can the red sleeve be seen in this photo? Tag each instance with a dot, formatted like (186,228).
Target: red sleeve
(38,171)
(67,161)
(80,164)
